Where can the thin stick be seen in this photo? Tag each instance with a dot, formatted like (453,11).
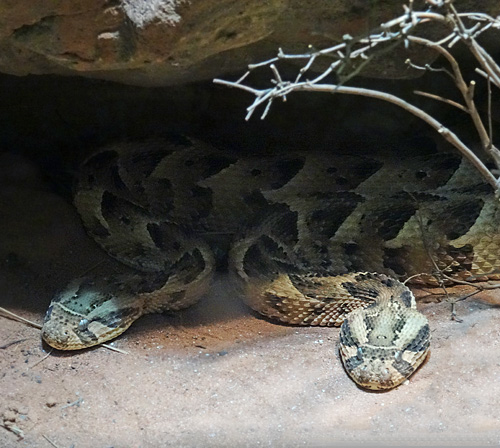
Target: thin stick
(74,403)
(444,100)
(13,429)
(460,299)
(43,359)
(19,318)
(446,133)
(2,347)
(490,122)
(114,349)
(266,95)
(480,287)
(50,441)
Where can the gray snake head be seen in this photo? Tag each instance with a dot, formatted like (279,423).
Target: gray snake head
(89,312)
(381,346)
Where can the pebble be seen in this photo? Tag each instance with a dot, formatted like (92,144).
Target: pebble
(9,416)
(50,402)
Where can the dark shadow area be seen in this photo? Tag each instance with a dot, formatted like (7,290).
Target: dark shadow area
(48,124)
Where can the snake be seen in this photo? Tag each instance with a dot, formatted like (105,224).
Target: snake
(311,238)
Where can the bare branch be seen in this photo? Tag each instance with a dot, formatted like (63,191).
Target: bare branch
(440,98)
(354,53)
(448,135)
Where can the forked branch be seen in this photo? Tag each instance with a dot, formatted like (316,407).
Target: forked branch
(354,53)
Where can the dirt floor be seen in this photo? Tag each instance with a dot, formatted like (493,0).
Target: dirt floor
(216,374)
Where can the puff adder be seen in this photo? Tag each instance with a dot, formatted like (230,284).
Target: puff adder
(314,238)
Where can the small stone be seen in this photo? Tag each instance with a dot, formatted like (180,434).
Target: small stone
(50,402)
(9,416)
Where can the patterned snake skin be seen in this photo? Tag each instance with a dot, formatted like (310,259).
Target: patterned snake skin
(314,238)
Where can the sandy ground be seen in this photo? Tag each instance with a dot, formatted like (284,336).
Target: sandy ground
(216,374)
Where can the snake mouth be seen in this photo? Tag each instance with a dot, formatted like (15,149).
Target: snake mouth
(387,370)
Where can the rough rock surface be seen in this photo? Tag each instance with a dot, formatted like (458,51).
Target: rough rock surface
(166,42)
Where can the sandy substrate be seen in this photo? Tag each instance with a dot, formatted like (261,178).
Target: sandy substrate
(216,374)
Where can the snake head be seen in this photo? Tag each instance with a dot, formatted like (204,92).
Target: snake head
(89,312)
(382,346)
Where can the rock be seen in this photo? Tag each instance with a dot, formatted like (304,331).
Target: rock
(50,402)
(9,416)
(167,42)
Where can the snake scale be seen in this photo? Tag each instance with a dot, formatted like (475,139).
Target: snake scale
(314,238)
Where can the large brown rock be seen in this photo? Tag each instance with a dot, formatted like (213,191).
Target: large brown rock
(165,42)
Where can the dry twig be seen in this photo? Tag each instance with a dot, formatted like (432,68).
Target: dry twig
(463,27)
(50,441)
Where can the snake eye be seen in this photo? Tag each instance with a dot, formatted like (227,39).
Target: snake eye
(83,325)
(359,354)
(398,356)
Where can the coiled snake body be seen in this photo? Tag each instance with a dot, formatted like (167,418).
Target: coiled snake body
(315,239)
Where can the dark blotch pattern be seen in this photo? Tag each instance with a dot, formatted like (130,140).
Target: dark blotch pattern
(271,246)
(285,170)
(353,362)
(285,222)
(115,318)
(366,168)
(389,282)
(350,248)
(360,292)
(203,200)
(101,159)
(395,259)
(345,335)
(214,163)
(150,282)
(160,197)
(337,207)
(116,210)
(421,341)
(167,237)
(143,163)
(86,336)
(255,263)
(49,313)
(406,297)
(461,217)
(403,367)
(392,220)
(98,229)
(192,263)
(116,179)
(255,200)
(359,170)
(435,171)
(156,234)
(448,163)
